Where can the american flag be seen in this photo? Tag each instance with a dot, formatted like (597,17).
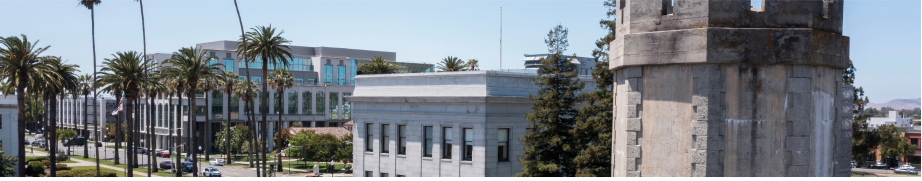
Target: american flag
(119,108)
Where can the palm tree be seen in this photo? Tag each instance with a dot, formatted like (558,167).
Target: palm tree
(228,79)
(20,65)
(264,43)
(144,38)
(91,5)
(85,82)
(172,86)
(450,64)
(126,71)
(472,65)
(281,80)
(62,79)
(190,64)
(378,66)
(208,85)
(242,56)
(247,97)
(153,88)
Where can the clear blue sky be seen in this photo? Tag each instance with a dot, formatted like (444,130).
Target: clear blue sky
(885,34)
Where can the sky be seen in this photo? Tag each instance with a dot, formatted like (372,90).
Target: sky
(884,34)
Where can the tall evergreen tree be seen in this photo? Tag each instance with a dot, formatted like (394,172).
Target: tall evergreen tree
(593,129)
(550,147)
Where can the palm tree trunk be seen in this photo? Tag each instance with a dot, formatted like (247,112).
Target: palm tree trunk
(95,94)
(227,138)
(207,134)
(150,130)
(54,123)
(172,127)
(264,107)
(85,128)
(21,120)
(193,138)
(118,126)
(278,127)
(129,142)
(178,165)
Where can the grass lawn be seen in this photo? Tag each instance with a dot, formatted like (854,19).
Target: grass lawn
(28,148)
(118,173)
(68,161)
(162,173)
(308,165)
(244,158)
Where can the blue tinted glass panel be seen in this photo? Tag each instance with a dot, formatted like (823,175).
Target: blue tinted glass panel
(340,75)
(328,74)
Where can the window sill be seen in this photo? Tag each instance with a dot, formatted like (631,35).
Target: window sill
(401,156)
(384,154)
(369,153)
(446,160)
(427,158)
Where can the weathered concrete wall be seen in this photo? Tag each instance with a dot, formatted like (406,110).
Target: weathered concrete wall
(716,88)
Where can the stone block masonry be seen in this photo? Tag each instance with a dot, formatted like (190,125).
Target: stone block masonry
(717,88)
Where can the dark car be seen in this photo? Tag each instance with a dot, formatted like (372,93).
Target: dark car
(39,143)
(98,144)
(186,166)
(25,142)
(141,151)
(166,165)
(78,141)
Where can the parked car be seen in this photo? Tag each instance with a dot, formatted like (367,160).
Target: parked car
(166,165)
(39,143)
(906,169)
(164,154)
(879,165)
(39,136)
(141,151)
(25,142)
(211,172)
(186,166)
(98,144)
(78,141)
(216,162)
(854,165)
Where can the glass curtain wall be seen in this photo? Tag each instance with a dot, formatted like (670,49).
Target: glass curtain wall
(328,74)
(234,107)
(293,102)
(160,115)
(306,100)
(334,102)
(347,106)
(340,75)
(276,103)
(217,105)
(352,71)
(320,103)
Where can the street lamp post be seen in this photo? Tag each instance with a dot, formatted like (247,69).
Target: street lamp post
(195,172)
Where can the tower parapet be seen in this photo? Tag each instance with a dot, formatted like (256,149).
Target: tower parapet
(718,88)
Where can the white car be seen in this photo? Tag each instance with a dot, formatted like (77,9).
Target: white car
(216,162)
(211,172)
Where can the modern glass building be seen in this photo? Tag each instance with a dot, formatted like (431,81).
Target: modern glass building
(323,81)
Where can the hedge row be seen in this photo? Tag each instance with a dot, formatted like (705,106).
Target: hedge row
(84,173)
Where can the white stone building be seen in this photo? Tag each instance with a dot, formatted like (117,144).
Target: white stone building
(446,124)
(894,118)
(8,128)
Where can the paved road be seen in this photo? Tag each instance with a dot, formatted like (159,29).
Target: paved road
(108,154)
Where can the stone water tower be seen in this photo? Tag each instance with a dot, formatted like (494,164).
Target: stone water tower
(718,88)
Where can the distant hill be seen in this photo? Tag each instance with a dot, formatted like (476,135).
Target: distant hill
(899,104)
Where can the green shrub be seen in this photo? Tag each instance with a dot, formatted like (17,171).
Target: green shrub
(84,173)
(36,158)
(61,166)
(46,163)
(35,169)
(62,157)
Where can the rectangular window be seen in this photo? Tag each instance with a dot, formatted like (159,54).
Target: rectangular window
(217,105)
(160,115)
(401,176)
(402,139)
(383,174)
(385,138)
(234,107)
(229,65)
(369,136)
(328,74)
(293,102)
(446,142)
(185,110)
(334,103)
(200,110)
(320,124)
(503,144)
(306,101)
(341,75)
(320,104)
(369,174)
(468,144)
(427,138)
(352,71)
(298,81)
(277,103)
(347,106)
(334,124)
